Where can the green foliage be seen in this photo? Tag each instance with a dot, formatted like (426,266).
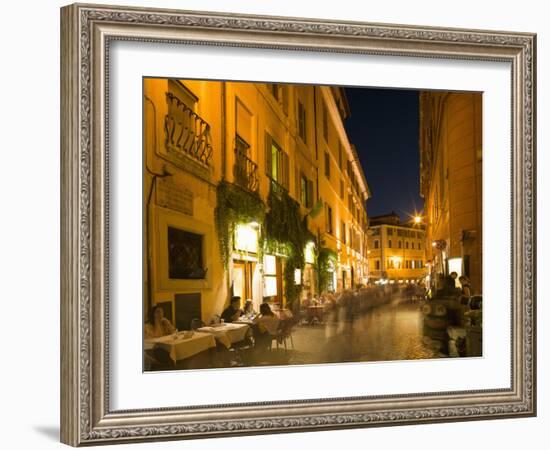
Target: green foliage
(286,232)
(322,264)
(234,206)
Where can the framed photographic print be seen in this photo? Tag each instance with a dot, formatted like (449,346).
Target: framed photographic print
(277,225)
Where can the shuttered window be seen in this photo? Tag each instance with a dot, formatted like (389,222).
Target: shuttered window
(306,191)
(277,162)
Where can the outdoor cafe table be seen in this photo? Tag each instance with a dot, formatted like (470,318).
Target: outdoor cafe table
(227,333)
(180,347)
(316,312)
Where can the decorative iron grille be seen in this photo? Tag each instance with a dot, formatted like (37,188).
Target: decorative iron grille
(186,132)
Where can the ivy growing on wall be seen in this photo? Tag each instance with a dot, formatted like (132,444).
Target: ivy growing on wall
(234,206)
(286,232)
(324,257)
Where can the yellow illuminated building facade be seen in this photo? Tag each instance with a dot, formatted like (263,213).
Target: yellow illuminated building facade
(204,140)
(451,182)
(397,252)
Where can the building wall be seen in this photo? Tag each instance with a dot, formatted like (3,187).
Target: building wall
(451,181)
(396,262)
(254,111)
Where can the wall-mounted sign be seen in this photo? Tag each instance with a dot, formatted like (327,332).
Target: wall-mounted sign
(173,195)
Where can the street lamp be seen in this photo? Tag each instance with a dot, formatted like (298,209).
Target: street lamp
(417,219)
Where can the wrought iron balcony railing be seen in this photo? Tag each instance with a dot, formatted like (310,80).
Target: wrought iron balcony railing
(186,132)
(245,171)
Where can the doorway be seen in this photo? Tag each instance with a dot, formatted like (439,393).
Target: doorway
(242,279)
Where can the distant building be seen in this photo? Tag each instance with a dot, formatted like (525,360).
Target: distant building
(397,251)
(451,182)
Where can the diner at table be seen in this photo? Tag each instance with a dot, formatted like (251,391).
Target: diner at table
(233,311)
(157,325)
(266,325)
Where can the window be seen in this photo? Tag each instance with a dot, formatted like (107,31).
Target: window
(343,232)
(325,123)
(185,260)
(377,264)
(389,243)
(329,220)
(406,244)
(399,244)
(302,132)
(390,231)
(183,94)
(376,243)
(306,191)
(340,156)
(327,165)
(342,190)
(276,162)
(419,246)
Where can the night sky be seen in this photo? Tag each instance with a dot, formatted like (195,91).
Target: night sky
(384,128)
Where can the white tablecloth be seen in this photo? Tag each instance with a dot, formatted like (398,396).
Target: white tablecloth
(182,348)
(227,333)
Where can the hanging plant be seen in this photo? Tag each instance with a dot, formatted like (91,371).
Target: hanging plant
(235,205)
(287,233)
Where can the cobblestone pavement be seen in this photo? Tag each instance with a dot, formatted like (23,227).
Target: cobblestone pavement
(386,333)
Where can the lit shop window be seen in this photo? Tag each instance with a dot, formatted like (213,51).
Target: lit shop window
(246,237)
(270,276)
(309,253)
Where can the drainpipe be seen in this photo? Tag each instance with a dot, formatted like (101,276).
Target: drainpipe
(223,131)
(316,143)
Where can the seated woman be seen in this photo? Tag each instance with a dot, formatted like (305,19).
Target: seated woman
(157,325)
(266,326)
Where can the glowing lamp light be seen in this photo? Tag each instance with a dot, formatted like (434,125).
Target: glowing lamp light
(417,219)
(246,238)
(309,253)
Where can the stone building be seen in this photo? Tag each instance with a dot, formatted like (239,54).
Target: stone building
(243,185)
(451,182)
(396,250)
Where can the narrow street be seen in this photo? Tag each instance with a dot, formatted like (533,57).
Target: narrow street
(389,332)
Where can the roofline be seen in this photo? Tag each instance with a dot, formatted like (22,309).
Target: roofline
(397,226)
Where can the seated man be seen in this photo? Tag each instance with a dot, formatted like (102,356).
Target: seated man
(233,311)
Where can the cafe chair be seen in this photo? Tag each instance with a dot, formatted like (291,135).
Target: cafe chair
(284,333)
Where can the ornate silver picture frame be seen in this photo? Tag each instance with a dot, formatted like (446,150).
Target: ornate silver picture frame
(87,32)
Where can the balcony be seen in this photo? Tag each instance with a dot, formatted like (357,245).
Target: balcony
(186,133)
(245,171)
